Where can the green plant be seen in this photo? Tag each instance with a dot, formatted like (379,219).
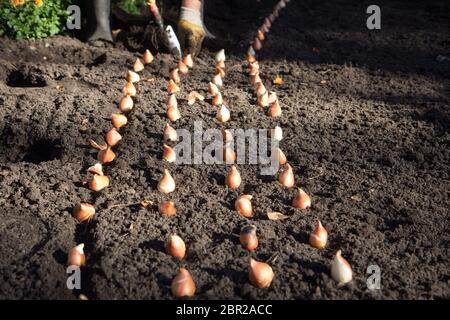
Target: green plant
(32,19)
(130,6)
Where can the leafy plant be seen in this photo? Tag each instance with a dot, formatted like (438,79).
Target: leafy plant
(32,19)
(130,6)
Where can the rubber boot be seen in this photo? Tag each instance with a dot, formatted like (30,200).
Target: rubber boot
(98,21)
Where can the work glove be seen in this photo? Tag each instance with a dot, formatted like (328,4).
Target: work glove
(191,31)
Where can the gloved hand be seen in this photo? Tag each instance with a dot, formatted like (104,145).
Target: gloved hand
(191,30)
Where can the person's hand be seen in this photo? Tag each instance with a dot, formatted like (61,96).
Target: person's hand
(190,31)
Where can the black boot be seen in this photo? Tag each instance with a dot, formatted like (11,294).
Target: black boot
(98,21)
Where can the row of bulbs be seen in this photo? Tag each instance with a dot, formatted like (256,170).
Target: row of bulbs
(260,274)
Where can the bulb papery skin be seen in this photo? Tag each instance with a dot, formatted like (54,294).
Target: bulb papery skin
(248,238)
(301,200)
(167,208)
(217,80)
(147,57)
(175,247)
(318,238)
(83,212)
(169,154)
(170,134)
(233,179)
(167,183)
(212,89)
(287,177)
(243,205)
(341,270)
(223,114)
(220,56)
(138,65)
(183,285)
(76,256)
(260,274)
(126,104)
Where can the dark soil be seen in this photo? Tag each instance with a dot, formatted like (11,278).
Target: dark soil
(371,145)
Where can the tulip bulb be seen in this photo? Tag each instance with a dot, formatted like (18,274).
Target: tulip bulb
(257,45)
(174,75)
(76,256)
(212,89)
(118,120)
(223,114)
(233,179)
(341,271)
(263,100)
(187,60)
(254,80)
(318,238)
(220,56)
(274,109)
(172,87)
(126,104)
(226,135)
(253,68)
(272,97)
(173,113)
(229,156)
(147,57)
(167,208)
(217,80)
(243,205)
(98,183)
(248,238)
(267,22)
(221,65)
(301,200)
(260,35)
(261,89)
(97,169)
(132,76)
(170,134)
(276,133)
(194,96)
(175,246)
(217,99)
(280,156)
(169,154)
(183,285)
(287,177)
(182,67)
(261,274)
(106,155)
(113,137)
(83,212)
(129,89)
(250,55)
(166,184)
(220,72)
(138,65)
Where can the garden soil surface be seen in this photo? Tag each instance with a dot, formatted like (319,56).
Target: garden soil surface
(366,129)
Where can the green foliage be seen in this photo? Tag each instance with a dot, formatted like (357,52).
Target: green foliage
(130,6)
(30,21)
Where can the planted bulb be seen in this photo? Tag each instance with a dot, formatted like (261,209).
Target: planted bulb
(167,183)
(301,200)
(83,212)
(233,179)
(260,274)
(243,205)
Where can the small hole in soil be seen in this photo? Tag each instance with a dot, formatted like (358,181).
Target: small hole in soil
(25,80)
(43,150)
